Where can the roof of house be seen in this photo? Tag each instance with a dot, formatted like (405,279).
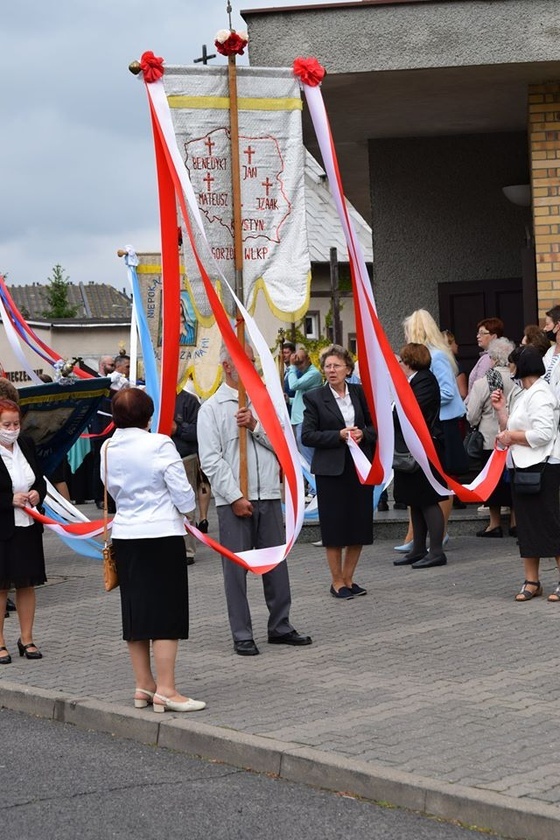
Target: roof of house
(93,301)
(324,230)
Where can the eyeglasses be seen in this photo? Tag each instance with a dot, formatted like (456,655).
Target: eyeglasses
(333,367)
(483,332)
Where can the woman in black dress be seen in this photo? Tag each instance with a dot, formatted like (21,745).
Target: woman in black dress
(22,561)
(332,414)
(413,488)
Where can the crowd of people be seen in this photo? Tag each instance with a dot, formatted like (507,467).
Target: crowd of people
(511,396)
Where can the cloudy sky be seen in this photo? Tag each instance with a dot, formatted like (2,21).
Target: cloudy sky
(77,175)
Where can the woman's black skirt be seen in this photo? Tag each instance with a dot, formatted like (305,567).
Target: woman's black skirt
(345,507)
(154,588)
(538,516)
(22,560)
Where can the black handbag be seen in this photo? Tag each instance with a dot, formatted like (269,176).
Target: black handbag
(527,481)
(405,462)
(474,446)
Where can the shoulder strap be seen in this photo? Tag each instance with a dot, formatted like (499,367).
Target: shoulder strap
(105,502)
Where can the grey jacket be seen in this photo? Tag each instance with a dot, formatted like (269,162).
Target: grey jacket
(218,450)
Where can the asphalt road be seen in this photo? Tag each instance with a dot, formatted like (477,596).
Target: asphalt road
(60,782)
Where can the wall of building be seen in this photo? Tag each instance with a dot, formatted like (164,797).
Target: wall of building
(360,38)
(544,144)
(88,342)
(439,214)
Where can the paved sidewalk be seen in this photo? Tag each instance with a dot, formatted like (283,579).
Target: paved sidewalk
(436,691)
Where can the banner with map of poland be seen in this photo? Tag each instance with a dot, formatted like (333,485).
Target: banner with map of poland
(275,253)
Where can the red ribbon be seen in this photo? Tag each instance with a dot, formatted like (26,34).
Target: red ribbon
(152,66)
(309,71)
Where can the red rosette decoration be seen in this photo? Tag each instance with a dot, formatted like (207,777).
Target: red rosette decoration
(152,67)
(309,71)
(230,42)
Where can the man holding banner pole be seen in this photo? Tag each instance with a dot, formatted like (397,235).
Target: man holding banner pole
(246,521)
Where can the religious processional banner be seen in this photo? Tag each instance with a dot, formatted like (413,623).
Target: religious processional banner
(200,340)
(54,416)
(271,160)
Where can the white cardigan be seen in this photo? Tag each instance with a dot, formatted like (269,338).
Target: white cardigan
(147,480)
(536,411)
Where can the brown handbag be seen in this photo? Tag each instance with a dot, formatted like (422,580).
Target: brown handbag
(110,576)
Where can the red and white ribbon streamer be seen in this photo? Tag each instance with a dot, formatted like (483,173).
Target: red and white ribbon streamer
(382,378)
(268,401)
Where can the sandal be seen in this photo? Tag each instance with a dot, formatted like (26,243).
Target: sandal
(5,659)
(526,594)
(554,596)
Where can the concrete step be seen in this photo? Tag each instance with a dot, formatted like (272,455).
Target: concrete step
(392,524)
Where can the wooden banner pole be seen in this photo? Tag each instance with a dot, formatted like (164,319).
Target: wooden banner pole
(238,257)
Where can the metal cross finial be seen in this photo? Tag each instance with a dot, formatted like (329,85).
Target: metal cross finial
(229,10)
(205,58)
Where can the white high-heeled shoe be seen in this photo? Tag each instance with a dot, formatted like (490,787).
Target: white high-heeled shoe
(163,704)
(142,703)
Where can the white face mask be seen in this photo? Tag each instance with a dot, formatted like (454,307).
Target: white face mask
(8,436)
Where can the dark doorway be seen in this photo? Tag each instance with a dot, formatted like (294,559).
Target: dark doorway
(463,305)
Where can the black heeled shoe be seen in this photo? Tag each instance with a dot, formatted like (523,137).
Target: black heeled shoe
(5,660)
(203,526)
(29,654)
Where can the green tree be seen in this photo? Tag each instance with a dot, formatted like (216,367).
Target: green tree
(57,296)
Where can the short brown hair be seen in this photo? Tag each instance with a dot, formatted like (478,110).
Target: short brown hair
(8,391)
(495,326)
(416,356)
(554,313)
(132,408)
(536,337)
(340,352)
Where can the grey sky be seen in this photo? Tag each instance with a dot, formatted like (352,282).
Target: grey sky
(77,174)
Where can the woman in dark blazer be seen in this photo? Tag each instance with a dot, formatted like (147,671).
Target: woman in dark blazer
(332,414)
(413,488)
(22,561)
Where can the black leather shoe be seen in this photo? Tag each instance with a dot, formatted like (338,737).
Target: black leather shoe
(11,607)
(291,638)
(203,526)
(5,659)
(29,654)
(408,559)
(246,647)
(382,506)
(429,562)
(493,532)
(344,593)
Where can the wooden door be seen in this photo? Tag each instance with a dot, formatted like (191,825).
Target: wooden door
(463,305)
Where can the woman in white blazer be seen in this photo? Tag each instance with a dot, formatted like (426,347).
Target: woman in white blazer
(530,430)
(145,476)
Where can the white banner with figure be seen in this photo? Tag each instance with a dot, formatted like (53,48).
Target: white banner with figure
(271,159)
